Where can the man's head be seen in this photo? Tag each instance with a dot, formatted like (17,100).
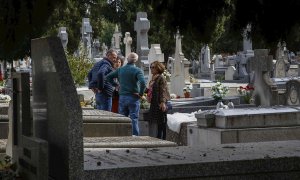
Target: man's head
(112,55)
(132,57)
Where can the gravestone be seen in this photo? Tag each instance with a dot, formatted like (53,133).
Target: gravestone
(57,115)
(218,61)
(63,35)
(205,59)
(265,92)
(247,43)
(178,73)
(280,65)
(104,49)
(229,73)
(96,49)
(127,41)
(293,92)
(242,58)
(155,54)
(30,153)
(141,26)
(170,63)
(86,38)
(116,39)
(195,68)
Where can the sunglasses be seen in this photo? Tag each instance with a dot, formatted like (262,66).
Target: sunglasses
(152,67)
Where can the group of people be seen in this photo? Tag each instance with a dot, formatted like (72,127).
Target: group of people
(111,81)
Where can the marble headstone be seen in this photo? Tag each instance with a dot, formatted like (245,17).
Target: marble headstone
(178,73)
(229,73)
(63,35)
(116,39)
(155,54)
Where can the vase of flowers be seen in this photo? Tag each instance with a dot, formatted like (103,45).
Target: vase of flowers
(219,91)
(246,92)
(187,91)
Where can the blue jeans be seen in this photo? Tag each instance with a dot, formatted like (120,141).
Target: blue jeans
(130,106)
(103,102)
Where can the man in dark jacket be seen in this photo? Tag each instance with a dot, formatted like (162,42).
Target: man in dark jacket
(103,90)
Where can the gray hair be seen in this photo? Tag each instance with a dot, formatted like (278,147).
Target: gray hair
(110,51)
(132,57)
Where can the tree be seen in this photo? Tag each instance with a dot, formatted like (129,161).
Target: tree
(21,21)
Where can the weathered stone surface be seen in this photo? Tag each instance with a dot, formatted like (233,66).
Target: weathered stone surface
(126,142)
(270,160)
(206,118)
(98,123)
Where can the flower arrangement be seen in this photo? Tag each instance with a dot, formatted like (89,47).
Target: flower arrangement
(219,91)
(246,92)
(187,88)
(5,97)
(187,91)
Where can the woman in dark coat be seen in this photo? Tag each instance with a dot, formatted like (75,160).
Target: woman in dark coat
(158,95)
(115,99)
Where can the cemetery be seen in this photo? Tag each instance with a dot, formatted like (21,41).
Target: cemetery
(234,116)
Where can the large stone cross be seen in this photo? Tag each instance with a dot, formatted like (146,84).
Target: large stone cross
(141,26)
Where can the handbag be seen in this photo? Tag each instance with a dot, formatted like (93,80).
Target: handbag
(169,105)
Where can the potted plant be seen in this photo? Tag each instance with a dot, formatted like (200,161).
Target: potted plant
(219,91)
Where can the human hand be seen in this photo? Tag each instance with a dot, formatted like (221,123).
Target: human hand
(163,107)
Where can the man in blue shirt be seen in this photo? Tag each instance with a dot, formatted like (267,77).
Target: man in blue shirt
(103,90)
(132,86)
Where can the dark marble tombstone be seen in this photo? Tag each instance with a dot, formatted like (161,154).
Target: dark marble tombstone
(57,116)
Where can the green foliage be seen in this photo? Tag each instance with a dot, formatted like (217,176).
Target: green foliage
(21,21)
(79,67)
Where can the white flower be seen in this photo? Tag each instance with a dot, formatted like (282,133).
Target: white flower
(4,97)
(173,96)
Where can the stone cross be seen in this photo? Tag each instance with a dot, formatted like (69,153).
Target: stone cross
(178,73)
(141,26)
(266,92)
(155,54)
(87,36)
(63,35)
(127,41)
(117,39)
